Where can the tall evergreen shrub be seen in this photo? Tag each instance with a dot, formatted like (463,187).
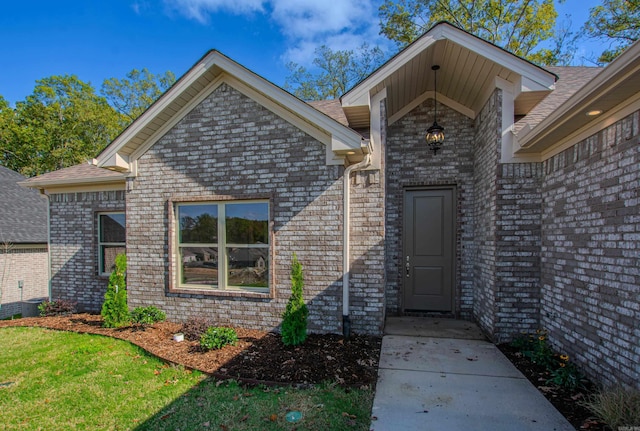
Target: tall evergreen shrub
(294,318)
(115,312)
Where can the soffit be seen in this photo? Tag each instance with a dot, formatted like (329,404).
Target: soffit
(469,67)
(610,91)
(198,83)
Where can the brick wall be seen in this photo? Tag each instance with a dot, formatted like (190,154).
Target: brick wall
(231,147)
(590,252)
(507,233)
(517,236)
(408,162)
(29,264)
(74,247)
(486,157)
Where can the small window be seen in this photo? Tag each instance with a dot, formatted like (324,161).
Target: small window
(111,240)
(223,245)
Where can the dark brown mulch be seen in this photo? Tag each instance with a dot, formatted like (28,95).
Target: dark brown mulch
(565,400)
(258,357)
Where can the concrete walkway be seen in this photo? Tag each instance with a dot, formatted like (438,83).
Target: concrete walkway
(460,382)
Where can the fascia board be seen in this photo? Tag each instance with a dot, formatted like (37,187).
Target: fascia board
(292,104)
(498,55)
(140,123)
(359,95)
(151,140)
(72,182)
(327,130)
(456,106)
(619,70)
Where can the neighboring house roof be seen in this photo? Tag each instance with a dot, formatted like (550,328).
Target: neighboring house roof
(614,92)
(85,174)
(23,212)
(199,82)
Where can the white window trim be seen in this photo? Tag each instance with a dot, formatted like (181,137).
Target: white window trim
(102,244)
(221,246)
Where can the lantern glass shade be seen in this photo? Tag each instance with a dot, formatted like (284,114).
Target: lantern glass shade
(435,137)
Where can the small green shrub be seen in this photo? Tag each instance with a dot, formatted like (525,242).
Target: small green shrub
(147,315)
(57,307)
(194,327)
(215,338)
(617,407)
(115,312)
(536,348)
(294,318)
(566,374)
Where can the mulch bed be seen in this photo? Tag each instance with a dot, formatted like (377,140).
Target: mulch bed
(566,401)
(258,357)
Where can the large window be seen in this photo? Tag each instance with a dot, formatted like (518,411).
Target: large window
(223,245)
(111,240)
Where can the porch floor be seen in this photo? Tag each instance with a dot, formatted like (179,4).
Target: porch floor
(433,327)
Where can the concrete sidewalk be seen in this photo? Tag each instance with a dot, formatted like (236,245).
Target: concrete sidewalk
(438,384)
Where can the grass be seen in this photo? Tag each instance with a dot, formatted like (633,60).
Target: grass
(618,407)
(53,380)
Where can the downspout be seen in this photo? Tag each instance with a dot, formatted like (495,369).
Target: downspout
(346,321)
(48,244)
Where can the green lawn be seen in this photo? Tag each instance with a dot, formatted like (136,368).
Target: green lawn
(51,380)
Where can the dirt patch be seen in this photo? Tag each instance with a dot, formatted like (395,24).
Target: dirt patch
(565,400)
(258,357)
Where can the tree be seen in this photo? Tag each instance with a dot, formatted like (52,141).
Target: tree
(61,124)
(294,318)
(616,21)
(517,26)
(337,72)
(115,312)
(132,95)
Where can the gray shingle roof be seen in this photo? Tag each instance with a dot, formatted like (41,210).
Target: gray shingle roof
(23,212)
(570,80)
(81,172)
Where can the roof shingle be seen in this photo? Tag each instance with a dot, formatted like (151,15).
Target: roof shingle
(23,212)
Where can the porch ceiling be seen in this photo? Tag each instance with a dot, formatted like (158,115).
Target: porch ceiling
(469,67)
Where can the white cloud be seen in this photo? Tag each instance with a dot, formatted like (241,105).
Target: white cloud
(200,9)
(307,24)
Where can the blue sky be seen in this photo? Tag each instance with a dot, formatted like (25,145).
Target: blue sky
(99,39)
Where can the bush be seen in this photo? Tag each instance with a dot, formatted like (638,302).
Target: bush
(617,407)
(216,338)
(57,307)
(115,312)
(194,328)
(147,315)
(294,318)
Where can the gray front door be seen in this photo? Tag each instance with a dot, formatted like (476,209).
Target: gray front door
(428,260)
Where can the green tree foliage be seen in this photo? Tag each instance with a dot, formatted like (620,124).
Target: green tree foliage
(61,124)
(132,95)
(517,26)
(294,318)
(337,71)
(615,21)
(115,312)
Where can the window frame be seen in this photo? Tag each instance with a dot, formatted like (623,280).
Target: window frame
(223,287)
(101,243)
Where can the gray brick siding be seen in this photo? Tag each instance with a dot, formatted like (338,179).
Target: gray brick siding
(409,163)
(230,147)
(590,252)
(74,246)
(486,157)
(29,264)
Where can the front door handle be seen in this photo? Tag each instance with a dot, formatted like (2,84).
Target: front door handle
(408,267)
